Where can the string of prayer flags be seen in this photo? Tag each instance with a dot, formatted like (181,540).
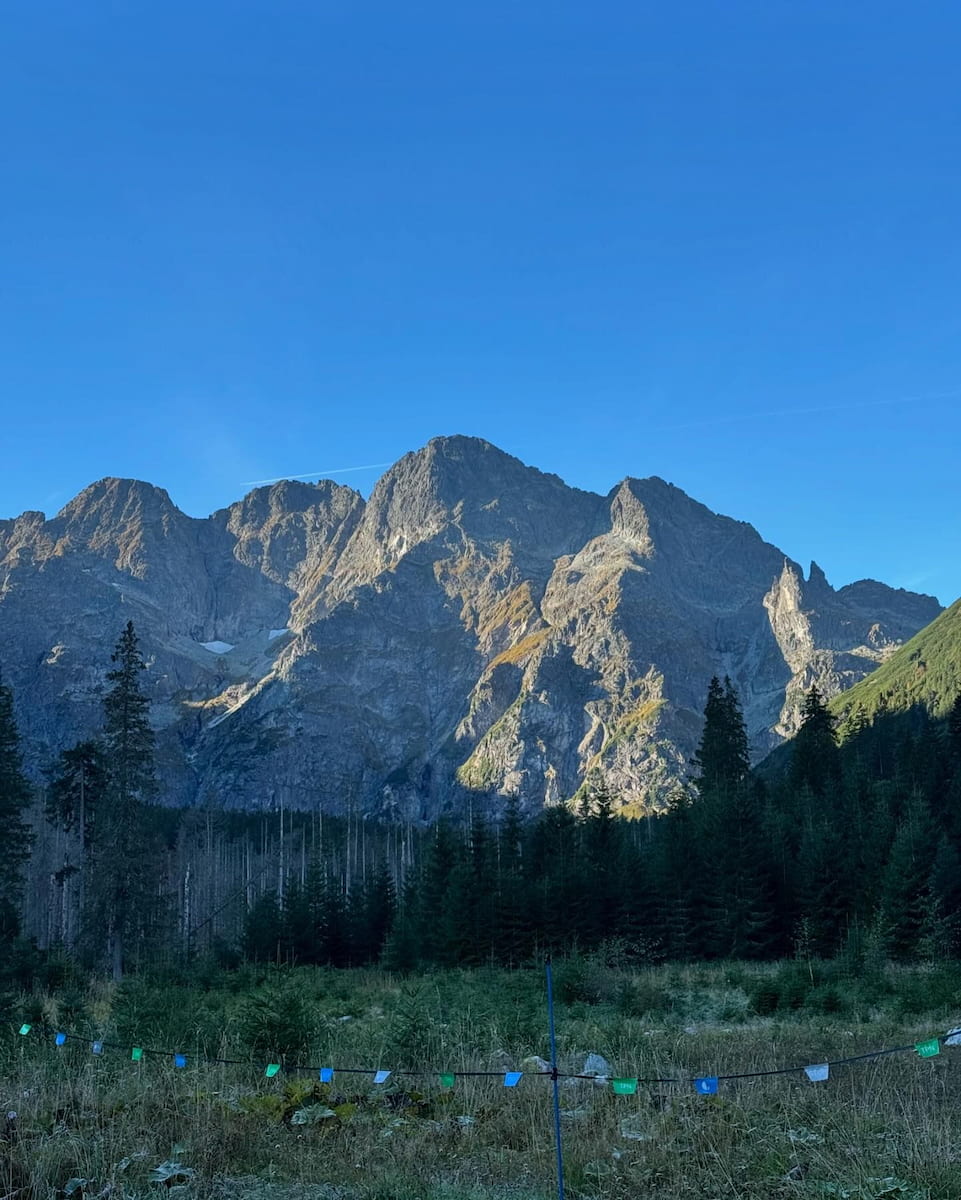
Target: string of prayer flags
(626,1085)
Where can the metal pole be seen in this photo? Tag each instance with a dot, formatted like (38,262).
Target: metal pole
(557,1100)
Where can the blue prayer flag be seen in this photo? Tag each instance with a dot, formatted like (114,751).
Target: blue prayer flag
(326,1074)
(706,1085)
(382,1077)
(60,1039)
(180,1060)
(818,1072)
(512,1078)
(97,1048)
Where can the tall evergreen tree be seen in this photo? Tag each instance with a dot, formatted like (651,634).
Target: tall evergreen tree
(944,888)
(76,794)
(736,887)
(264,930)
(128,739)
(906,902)
(15,836)
(512,913)
(372,915)
(954,728)
(124,877)
(721,760)
(815,760)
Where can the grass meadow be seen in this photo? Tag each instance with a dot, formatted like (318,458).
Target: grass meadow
(103,1126)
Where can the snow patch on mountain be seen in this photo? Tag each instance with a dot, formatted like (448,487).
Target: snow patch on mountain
(218,647)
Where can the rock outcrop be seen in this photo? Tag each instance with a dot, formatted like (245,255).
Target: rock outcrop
(477,626)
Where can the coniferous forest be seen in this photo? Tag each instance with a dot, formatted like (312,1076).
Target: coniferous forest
(845,840)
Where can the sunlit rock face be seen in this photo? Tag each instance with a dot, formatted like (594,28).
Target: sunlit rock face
(475,628)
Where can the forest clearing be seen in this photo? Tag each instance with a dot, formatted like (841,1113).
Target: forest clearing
(99,1124)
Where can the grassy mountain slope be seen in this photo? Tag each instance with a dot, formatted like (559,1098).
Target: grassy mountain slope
(926,670)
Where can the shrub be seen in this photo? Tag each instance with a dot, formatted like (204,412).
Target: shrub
(276,1021)
(827,999)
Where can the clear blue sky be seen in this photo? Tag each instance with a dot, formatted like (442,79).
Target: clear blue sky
(716,242)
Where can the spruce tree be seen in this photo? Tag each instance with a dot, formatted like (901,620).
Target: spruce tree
(15,835)
(735,890)
(601,857)
(127,736)
(943,929)
(678,882)
(954,728)
(512,910)
(721,760)
(124,876)
(402,951)
(264,930)
(815,760)
(905,898)
(823,899)
(76,793)
(372,914)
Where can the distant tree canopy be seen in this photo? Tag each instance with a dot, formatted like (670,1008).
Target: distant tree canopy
(853,844)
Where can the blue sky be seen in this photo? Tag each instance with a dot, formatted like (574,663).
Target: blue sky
(716,242)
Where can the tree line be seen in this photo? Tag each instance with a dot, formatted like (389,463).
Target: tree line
(836,844)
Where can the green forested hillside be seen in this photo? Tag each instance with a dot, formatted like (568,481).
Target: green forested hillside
(926,670)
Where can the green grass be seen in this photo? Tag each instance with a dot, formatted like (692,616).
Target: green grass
(926,670)
(884,1128)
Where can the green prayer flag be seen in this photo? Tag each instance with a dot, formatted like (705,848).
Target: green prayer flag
(447,1080)
(272,1069)
(136,1054)
(930,1048)
(25,1029)
(624,1087)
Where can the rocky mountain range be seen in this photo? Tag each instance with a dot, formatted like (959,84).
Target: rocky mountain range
(476,627)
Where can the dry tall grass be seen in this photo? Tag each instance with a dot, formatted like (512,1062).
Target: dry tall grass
(102,1126)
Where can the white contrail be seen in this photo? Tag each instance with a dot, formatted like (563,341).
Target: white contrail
(801,412)
(316,474)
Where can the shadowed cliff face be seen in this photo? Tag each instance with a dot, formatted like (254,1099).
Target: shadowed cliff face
(476,626)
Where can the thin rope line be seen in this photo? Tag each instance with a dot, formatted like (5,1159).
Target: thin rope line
(302,1068)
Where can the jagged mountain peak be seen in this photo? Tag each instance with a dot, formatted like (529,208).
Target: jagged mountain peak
(288,496)
(477,624)
(462,471)
(115,496)
(465,494)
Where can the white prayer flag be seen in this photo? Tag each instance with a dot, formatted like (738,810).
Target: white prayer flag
(818,1072)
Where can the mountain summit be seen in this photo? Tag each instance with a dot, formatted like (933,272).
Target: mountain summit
(477,626)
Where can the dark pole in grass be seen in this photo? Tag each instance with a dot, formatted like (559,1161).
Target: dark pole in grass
(557,1101)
